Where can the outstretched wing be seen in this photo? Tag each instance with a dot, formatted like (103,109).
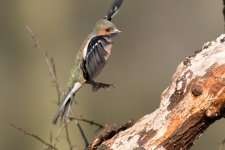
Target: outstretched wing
(96,56)
(114,9)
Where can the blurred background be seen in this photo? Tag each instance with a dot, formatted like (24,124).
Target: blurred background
(157,35)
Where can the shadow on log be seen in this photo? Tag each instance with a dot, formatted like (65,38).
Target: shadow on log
(193,101)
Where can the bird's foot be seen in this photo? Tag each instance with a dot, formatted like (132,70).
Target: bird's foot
(97,85)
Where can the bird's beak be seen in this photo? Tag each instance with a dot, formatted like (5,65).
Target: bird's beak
(117,31)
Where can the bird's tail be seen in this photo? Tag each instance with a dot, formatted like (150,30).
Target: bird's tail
(66,103)
(114,9)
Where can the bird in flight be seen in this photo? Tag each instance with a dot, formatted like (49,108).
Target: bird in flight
(90,60)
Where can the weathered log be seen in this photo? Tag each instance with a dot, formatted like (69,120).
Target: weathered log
(193,101)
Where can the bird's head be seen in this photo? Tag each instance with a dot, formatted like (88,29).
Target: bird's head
(105,27)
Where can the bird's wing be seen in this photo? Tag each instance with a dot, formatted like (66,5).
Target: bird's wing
(96,56)
(114,9)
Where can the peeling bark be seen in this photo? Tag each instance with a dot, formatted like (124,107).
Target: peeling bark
(193,101)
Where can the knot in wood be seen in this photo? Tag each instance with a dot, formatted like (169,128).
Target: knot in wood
(212,112)
(197,90)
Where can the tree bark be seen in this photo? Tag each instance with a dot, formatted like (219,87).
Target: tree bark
(193,101)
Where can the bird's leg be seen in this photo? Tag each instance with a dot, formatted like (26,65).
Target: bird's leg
(98,85)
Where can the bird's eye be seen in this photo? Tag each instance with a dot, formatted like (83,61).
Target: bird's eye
(108,29)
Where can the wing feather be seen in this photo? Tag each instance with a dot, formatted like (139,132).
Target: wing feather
(95,58)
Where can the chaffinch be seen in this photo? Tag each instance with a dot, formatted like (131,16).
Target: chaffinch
(90,60)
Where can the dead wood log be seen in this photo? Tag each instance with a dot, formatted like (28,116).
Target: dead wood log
(193,101)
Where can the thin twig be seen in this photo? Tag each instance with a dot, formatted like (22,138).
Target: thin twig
(49,62)
(61,129)
(91,122)
(80,129)
(68,137)
(34,136)
(67,134)
(82,133)
(59,132)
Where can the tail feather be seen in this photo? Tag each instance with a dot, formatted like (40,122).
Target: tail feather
(63,107)
(66,103)
(66,111)
(114,9)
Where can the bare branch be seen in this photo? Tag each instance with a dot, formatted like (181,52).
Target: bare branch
(82,133)
(91,122)
(34,136)
(68,137)
(49,62)
(80,129)
(108,133)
